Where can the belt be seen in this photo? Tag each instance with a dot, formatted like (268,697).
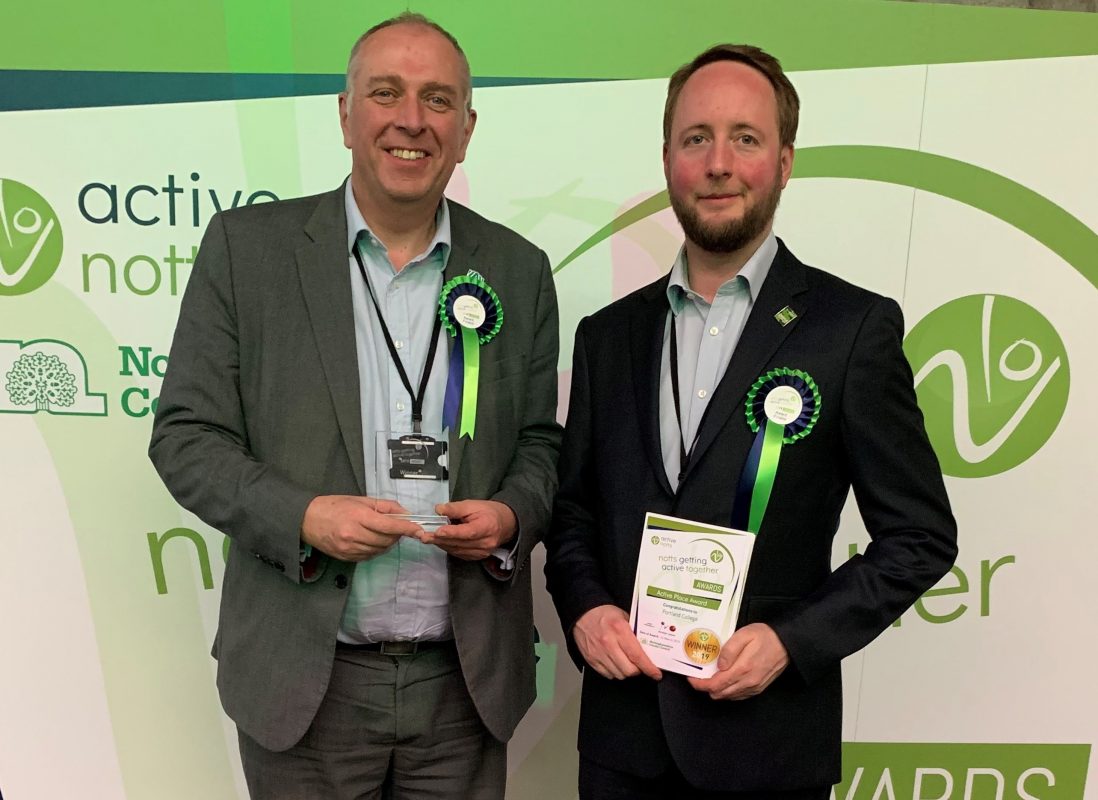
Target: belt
(395,648)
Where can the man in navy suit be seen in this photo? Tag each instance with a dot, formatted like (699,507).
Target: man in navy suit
(659,422)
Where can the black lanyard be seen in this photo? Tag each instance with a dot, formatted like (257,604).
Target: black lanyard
(417,399)
(673,353)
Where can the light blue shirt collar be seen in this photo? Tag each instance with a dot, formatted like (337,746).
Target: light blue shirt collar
(356,224)
(754,272)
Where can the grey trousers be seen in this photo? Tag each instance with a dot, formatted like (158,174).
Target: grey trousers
(389,728)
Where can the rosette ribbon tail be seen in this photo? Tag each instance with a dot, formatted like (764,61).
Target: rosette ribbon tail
(452,399)
(470,379)
(757,478)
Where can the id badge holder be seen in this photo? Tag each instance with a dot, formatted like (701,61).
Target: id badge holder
(416,456)
(412,469)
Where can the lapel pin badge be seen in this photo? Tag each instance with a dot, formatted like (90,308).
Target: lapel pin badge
(785,316)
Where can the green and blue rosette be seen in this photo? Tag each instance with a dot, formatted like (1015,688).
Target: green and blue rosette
(469,305)
(782,407)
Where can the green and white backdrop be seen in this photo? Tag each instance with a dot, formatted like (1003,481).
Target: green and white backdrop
(946,158)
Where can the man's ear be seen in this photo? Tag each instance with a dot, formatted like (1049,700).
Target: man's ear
(786,163)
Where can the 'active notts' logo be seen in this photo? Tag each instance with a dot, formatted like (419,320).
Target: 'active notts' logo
(46,375)
(30,239)
(991,374)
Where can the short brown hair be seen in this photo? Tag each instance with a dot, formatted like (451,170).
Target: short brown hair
(789,105)
(412,18)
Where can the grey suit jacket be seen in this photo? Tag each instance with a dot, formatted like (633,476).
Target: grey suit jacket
(259,413)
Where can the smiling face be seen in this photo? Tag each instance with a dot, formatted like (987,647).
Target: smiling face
(723,160)
(405,119)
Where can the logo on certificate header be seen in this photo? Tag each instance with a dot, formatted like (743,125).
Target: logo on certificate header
(992,378)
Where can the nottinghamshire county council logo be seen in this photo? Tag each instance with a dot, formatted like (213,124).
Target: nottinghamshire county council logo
(46,375)
(991,375)
(30,239)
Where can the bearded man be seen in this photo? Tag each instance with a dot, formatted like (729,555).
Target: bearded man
(663,385)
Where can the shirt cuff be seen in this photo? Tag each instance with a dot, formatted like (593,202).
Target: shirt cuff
(308,563)
(500,564)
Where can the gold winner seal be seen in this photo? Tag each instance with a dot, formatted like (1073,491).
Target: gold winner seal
(702,646)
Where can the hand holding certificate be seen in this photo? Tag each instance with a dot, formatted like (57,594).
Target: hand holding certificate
(687,594)
(608,645)
(748,663)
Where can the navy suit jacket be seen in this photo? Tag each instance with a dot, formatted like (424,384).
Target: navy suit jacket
(869,436)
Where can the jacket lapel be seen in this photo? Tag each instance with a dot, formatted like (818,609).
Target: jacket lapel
(785,285)
(462,248)
(322,268)
(646,346)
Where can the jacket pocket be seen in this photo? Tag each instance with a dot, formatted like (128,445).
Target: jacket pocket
(767,609)
(492,370)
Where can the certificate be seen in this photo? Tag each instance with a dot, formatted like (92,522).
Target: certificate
(688,590)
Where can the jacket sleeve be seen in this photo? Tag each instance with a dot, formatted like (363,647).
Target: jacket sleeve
(530,481)
(901,497)
(200,441)
(572,568)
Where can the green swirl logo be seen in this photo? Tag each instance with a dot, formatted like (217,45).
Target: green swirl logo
(30,239)
(991,375)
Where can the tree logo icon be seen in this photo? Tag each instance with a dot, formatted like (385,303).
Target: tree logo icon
(30,239)
(42,381)
(46,375)
(991,375)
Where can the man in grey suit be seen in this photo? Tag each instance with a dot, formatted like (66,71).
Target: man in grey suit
(360,652)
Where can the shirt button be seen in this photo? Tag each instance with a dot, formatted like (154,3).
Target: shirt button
(702,393)
(714,331)
(400,406)
(398,344)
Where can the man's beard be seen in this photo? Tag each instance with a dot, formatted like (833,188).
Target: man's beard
(733,235)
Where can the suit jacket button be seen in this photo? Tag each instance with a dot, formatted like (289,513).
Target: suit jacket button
(341,581)
(280,566)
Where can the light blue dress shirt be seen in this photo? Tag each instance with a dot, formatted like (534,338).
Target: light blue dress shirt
(402,594)
(707,335)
